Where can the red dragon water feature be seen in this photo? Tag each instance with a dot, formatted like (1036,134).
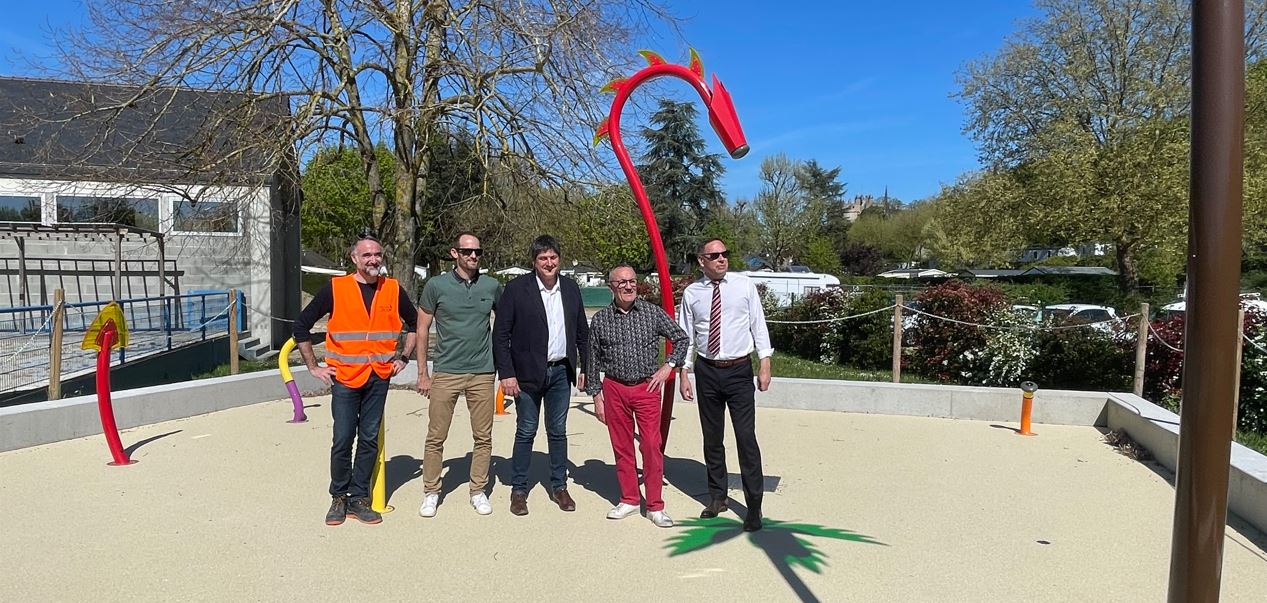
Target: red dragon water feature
(721,114)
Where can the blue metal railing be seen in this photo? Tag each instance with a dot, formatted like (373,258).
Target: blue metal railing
(153,324)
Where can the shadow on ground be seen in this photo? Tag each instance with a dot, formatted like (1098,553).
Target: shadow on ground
(787,545)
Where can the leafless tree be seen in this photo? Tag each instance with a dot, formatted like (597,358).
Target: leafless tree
(520,76)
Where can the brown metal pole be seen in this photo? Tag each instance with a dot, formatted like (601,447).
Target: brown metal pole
(897,340)
(1240,355)
(1214,260)
(1141,350)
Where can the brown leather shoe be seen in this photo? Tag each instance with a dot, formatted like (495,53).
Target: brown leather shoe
(563,499)
(519,503)
(715,507)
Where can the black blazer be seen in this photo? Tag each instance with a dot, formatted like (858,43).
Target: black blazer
(521,335)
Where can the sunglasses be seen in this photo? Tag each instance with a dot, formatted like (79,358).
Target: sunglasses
(468,251)
(712,257)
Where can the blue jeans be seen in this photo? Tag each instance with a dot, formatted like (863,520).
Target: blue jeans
(358,412)
(555,396)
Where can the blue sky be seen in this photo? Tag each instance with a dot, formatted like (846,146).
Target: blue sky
(861,85)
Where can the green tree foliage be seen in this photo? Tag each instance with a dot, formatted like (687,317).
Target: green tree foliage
(603,229)
(1084,108)
(337,205)
(825,198)
(680,178)
(904,235)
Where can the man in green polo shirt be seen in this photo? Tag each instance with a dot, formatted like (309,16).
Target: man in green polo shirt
(460,302)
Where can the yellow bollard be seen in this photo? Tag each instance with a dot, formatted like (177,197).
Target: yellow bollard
(378,498)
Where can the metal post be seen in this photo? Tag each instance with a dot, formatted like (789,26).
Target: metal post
(897,340)
(1141,350)
(233,331)
(1214,259)
(55,347)
(118,261)
(23,296)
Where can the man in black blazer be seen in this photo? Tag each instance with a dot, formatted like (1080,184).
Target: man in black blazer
(540,340)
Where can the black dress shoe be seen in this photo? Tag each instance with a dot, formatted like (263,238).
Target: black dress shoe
(752,522)
(715,507)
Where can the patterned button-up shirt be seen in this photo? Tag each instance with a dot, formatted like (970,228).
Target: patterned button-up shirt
(623,344)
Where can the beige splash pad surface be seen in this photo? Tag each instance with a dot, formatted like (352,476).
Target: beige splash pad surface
(230,505)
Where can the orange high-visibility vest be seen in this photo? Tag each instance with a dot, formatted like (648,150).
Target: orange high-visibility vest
(358,342)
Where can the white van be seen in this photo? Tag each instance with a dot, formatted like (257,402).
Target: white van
(790,286)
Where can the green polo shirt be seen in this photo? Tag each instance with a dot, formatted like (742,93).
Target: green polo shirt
(461,310)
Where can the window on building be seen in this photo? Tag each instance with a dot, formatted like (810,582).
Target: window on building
(19,208)
(132,211)
(205,216)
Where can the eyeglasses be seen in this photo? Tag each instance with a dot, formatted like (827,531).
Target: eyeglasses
(629,282)
(712,257)
(468,251)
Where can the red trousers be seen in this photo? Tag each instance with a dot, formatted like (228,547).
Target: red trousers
(623,405)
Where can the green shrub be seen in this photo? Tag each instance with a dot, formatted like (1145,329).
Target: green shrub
(951,351)
(1081,359)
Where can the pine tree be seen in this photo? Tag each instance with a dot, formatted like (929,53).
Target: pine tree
(680,178)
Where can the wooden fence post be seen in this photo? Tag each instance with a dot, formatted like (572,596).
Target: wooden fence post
(897,340)
(55,346)
(233,331)
(1141,350)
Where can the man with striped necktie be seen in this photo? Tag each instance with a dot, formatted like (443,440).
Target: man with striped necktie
(722,313)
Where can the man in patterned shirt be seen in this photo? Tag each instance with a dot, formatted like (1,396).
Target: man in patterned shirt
(623,338)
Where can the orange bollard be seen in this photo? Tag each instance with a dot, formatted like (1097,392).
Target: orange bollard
(501,402)
(1027,407)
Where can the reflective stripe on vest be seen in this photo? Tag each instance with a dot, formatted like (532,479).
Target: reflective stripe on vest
(360,359)
(363,335)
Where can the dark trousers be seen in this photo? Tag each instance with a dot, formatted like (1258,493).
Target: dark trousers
(555,398)
(718,389)
(358,413)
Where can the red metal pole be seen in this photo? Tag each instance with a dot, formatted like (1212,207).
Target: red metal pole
(104,407)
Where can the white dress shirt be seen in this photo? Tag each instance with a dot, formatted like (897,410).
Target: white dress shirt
(742,319)
(557,349)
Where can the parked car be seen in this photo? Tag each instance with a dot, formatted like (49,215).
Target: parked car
(1250,302)
(1027,313)
(1100,317)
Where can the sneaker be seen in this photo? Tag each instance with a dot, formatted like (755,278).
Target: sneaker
(621,511)
(660,519)
(429,504)
(338,511)
(481,504)
(359,508)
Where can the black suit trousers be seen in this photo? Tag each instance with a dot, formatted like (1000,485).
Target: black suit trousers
(718,389)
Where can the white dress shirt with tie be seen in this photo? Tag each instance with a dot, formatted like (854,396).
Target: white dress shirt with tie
(742,319)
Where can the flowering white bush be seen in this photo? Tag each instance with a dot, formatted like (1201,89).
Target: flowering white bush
(1007,354)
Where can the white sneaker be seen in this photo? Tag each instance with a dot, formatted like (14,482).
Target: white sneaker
(429,504)
(660,519)
(621,511)
(480,502)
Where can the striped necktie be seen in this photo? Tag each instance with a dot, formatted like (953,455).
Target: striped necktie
(714,322)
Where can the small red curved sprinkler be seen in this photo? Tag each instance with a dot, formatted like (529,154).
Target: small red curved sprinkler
(725,121)
(106,339)
(1027,407)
